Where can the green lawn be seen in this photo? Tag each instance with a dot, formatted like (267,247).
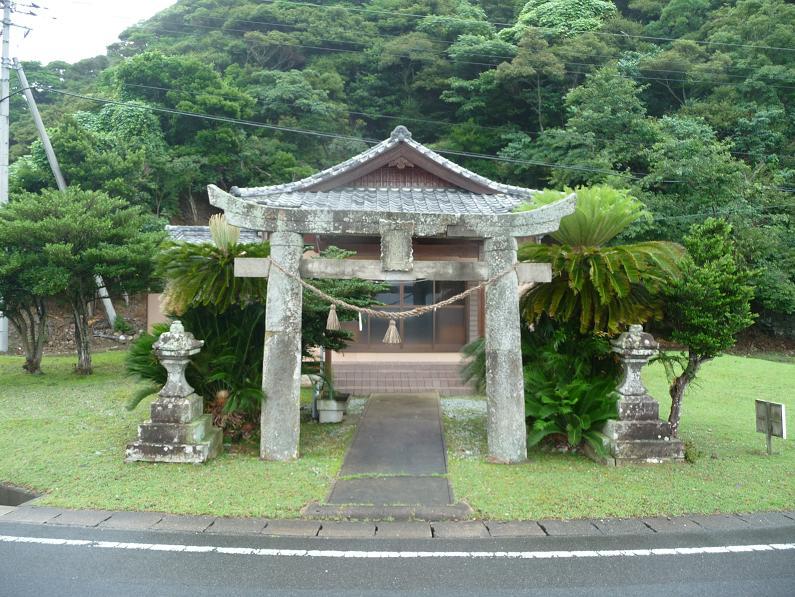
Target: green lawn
(732,473)
(65,435)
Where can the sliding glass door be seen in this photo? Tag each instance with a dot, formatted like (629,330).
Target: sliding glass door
(441,330)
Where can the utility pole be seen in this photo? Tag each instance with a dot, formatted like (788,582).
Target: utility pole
(56,171)
(5,102)
(45,138)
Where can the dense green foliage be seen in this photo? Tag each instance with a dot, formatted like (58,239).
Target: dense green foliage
(570,382)
(228,370)
(570,379)
(596,290)
(688,103)
(708,306)
(204,275)
(569,372)
(228,313)
(55,245)
(601,288)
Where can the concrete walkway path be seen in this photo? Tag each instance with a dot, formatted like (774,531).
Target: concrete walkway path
(398,456)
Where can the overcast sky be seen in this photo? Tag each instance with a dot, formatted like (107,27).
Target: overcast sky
(71,30)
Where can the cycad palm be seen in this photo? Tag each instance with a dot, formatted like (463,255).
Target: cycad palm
(203,274)
(602,287)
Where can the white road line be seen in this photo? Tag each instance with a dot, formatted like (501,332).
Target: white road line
(328,553)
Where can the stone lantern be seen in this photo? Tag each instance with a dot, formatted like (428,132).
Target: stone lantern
(178,431)
(639,435)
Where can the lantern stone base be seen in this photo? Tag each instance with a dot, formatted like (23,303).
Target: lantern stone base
(177,432)
(642,440)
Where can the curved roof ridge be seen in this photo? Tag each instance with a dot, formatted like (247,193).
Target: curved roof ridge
(399,135)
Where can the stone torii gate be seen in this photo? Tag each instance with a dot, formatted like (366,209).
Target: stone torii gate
(330,203)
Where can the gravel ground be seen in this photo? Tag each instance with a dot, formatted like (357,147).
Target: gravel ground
(463,408)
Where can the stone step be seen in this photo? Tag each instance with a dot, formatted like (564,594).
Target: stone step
(364,390)
(195,453)
(457,511)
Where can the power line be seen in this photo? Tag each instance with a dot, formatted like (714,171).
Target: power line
(226,119)
(256,124)
(713,214)
(498,24)
(301,29)
(252,123)
(412,119)
(420,57)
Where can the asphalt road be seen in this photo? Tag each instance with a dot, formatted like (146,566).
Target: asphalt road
(28,568)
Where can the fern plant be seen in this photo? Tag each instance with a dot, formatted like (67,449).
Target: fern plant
(570,380)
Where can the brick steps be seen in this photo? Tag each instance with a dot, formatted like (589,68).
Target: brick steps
(367,378)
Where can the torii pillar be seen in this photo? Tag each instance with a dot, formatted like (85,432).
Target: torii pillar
(507,434)
(281,360)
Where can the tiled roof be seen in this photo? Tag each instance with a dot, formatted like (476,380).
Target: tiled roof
(201,234)
(400,135)
(428,200)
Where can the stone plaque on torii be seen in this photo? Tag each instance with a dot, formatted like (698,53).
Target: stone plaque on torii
(454,203)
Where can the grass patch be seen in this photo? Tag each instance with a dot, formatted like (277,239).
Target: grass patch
(732,474)
(65,435)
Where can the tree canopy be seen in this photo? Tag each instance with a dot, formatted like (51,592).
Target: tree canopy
(688,104)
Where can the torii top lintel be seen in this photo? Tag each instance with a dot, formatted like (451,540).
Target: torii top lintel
(397,184)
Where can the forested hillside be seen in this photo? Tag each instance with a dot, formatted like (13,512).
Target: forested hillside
(688,103)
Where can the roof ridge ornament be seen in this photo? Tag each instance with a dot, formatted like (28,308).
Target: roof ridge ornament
(400,133)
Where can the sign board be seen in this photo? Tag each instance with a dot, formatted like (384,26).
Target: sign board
(771,418)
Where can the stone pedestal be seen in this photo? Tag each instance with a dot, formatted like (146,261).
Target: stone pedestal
(281,367)
(507,431)
(177,430)
(638,436)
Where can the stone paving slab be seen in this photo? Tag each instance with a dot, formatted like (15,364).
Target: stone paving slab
(131,521)
(677,524)
(398,434)
(6,509)
(562,528)
(459,511)
(385,491)
(518,528)
(190,524)
(237,526)
(80,518)
(34,515)
(622,526)
(292,528)
(403,530)
(347,530)
(459,530)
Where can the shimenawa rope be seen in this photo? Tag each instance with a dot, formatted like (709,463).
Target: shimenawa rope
(392,336)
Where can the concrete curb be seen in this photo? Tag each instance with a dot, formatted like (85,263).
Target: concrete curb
(209,525)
